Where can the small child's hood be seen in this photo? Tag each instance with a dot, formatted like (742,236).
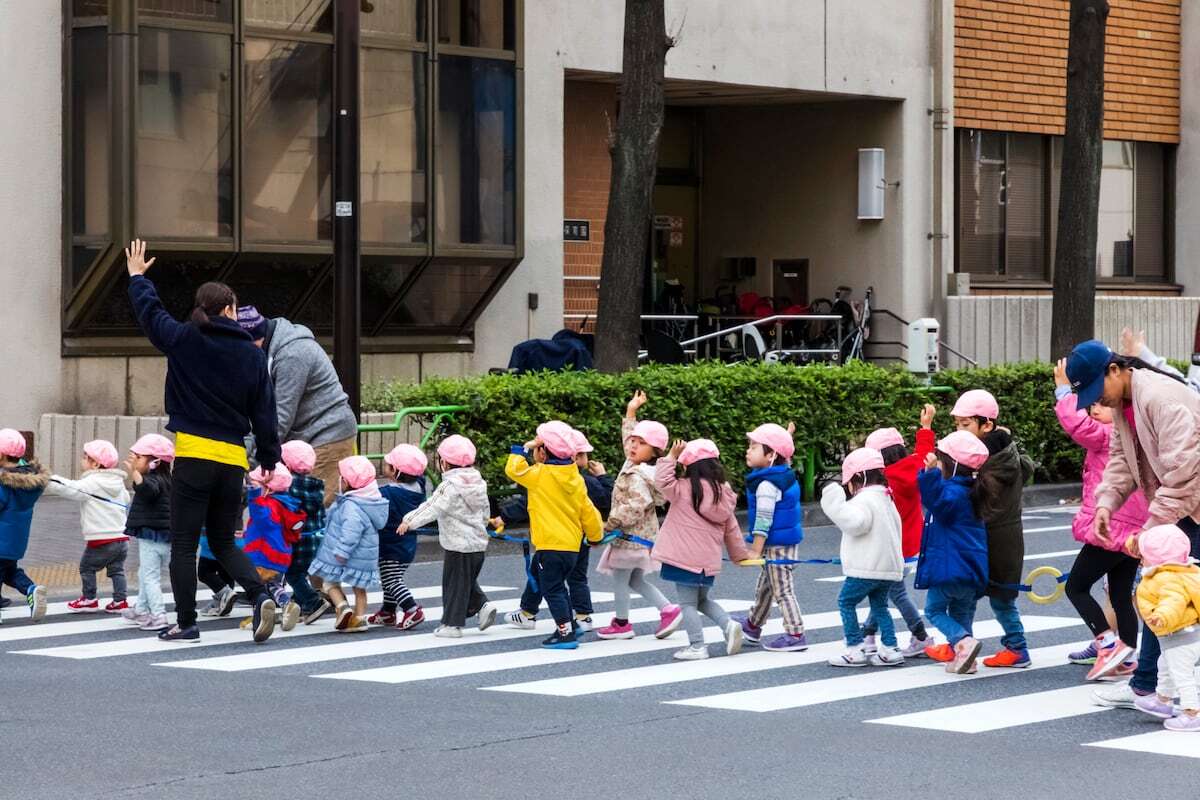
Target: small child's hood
(376,508)
(28,477)
(470,487)
(291,503)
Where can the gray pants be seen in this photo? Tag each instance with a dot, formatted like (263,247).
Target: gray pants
(109,556)
(694,601)
(625,580)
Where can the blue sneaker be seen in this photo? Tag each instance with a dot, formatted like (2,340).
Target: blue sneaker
(785,642)
(750,633)
(1085,656)
(36,599)
(557,641)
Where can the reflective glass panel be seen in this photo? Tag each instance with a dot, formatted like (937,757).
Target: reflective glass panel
(393,147)
(445,294)
(194,10)
(403,20)
(89,131)
(290,15)
(477,23)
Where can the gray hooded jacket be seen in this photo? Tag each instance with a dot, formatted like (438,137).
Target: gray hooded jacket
(309,400)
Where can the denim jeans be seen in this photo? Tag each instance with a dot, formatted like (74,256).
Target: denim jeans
(1010,620)
(154,558)
(951,609)
(898,595)
(297,577)
(12,575)
(876,593)
(1145,678)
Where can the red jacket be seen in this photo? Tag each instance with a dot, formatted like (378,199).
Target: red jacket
(902,480)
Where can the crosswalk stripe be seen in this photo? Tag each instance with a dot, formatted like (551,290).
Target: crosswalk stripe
(748,662)
(1160,742)
(1008,712)
(862,684)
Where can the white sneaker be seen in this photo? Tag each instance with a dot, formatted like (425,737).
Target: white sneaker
(693,652)
(887,657)
(290,616)
(487,616)
(916,647)
(518,619)
(583,624)
(733,638)
(155,622)
(853,657)
(224,601)
(1119,695)
(869,646)
(448,632)
(210,610)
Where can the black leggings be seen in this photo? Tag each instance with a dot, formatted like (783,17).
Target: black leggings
(205,494)
(1091,564)
(212,574)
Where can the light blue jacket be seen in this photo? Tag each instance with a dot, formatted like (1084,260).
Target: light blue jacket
(352,530)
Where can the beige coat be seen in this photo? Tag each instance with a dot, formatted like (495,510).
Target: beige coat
(1164,459)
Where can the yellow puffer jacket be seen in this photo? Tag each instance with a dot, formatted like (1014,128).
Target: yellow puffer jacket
(1172,592)
(559,508)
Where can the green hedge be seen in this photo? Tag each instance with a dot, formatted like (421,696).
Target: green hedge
(833,407)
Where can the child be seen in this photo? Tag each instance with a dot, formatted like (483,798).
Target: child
(460,507)
(213,575)
(688,547)
(1169,600)
(104,502)
(953,564)
(870,554)
(773,497)
(901,471)
(149,524)
(21,484)
(405,466)
(559,509)
(633,511)
(300,459)
(275,525)
(349,552)
(999,491)
(1092,429)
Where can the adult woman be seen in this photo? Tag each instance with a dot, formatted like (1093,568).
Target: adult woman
(217,390)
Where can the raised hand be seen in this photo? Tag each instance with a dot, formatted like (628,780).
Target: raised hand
(931,461)
(1060,372)
(135,258)
(677,448)
(927,415)
(638,400)
(791,429)
(1132,343)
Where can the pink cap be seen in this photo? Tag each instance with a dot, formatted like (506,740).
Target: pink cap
(1164,544)
(976,403)
(697,450)
(965,448)
(12,443)
(281,478)
(556,435)
(859,461)
(407,459)
(299,456)
(775,437)
(884,438)
(457,451)
(580,442)
(652,433)
(356,471)
(102,452)
(154,445)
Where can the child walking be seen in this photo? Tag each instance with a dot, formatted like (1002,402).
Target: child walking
(1169,600)
(1001,480)
(210,572)
(349,552)
(870,555)
(301,459)
(275,525)
(688,547)
(953,564)
(773,498)
(405,466)
(901,470)
(104,502)
(21,484)
(634,500)
(149,524)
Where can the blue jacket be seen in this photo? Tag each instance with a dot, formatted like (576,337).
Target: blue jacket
(400,502)
(20,488)
(352,532)
(217,386)
(787,528)
(954,548)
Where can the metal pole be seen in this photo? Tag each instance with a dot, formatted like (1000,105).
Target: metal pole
(346,293)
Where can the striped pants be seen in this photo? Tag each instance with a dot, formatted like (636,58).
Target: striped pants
(775,587)
(395,590)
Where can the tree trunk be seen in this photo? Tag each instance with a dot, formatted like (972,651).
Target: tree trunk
(630,192)
(1083,149)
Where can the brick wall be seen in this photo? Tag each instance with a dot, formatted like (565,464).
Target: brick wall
(589,109)
(1010,65)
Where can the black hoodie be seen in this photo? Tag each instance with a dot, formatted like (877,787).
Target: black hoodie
(998,487)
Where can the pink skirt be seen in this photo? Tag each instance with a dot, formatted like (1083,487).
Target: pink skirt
(615,558)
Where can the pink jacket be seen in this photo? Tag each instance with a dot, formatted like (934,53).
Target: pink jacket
(1094,438)
(689,540)
(1163,461)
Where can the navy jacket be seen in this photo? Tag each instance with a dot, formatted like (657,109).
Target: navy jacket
(400,502)
(150,512)
(787,526)
(218,386)
(20,488)
(566,350)
(954,547)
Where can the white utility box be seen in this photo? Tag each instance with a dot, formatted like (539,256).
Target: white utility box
(923,346)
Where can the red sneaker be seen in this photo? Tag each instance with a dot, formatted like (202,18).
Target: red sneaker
(116,607)
(940,652)
(1109,659)
(1013,659)
(411,619)
(382,618)
(83,605)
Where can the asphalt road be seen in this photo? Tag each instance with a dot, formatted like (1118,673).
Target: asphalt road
(91,710)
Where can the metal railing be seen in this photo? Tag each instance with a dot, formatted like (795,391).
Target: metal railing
(778,320)
(440,415)
(904,345)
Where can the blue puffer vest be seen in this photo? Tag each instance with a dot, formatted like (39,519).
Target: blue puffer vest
(787,527)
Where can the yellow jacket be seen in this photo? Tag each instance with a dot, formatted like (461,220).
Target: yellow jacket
(559,508)
(1171,591)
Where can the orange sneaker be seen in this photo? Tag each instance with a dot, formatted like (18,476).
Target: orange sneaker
(940,652)
(1014,659)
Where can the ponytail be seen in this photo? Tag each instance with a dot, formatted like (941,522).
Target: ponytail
(211,300)
(1133,362)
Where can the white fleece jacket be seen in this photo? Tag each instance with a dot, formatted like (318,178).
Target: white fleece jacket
(100,518)
(871,529)
(459,505)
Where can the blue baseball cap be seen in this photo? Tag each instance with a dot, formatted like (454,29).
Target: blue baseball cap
(1086,367)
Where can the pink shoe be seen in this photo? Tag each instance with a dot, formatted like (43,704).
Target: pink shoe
(615,631)
(670,618)
(1108,659)
(965,653)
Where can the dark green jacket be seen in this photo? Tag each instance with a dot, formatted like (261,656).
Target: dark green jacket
(999,486)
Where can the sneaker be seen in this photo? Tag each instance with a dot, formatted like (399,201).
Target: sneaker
(559,641)
(448,632)
(1085,656)
(733,638)
(344,615)
(356,625)
(487,616)
(210,610)
(1109,658)
(887,657)
(264,620)
(787,643)
(135,617)
(1122,672)
(869,646)
(178,634)
(1120,695)
(246,624)
(519,619)
(942,653)
(411,619)
(224,601)
(693,652)
(751,633)
(83,606)
(155,622)
(965,653)
(382,618)
(669,620)
(5,602)
(853,657)
(916,647)
(615,631)
(584,624)
(37,603)
(290,617)
(1150,704)
(1014,659)
(1184,723)
(116,607)
(322,608)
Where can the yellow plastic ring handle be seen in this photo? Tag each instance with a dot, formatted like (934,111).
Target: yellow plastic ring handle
(1059,587)
(751,562)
